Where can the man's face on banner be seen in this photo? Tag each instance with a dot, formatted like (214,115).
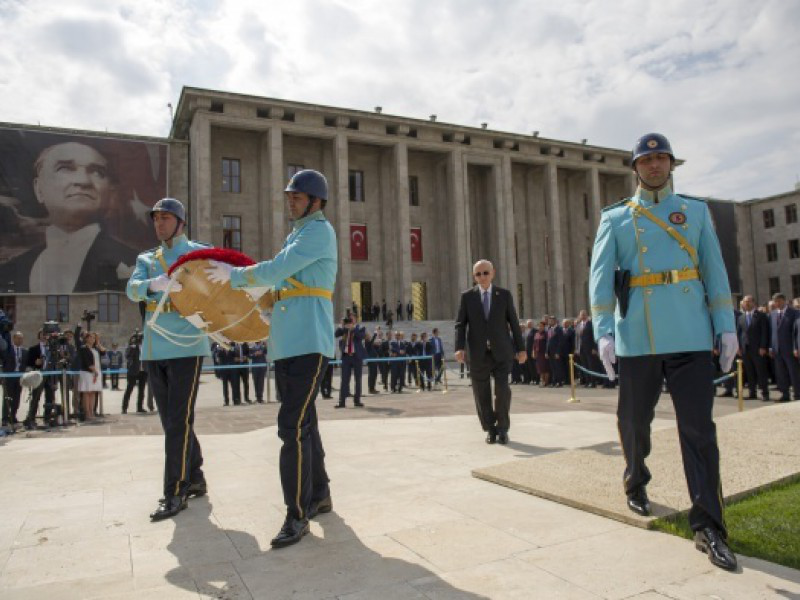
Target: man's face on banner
(72,182)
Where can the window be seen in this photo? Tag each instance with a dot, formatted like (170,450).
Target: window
(356,181)
(796,286)
(108,308)
(772,252)
(774,285)
(791,213)
(769,218)
(292,169)
(232,232)
(794,248)
(231,175)
(58,309)
(413,190)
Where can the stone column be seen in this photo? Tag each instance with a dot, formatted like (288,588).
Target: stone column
(200,177)
(275,204)
(403,229)
(506,228)
(458,190)
(595,201)
(341,199)
(557,258)
(633,183)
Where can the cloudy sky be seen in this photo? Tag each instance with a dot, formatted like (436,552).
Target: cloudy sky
(718,77)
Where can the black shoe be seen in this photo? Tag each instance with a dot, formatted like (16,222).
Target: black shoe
(227,404)
(502,438)
(784,399)
(168,508)
(260,401)
(491,437)
(340,405)
(765,398)
(196,490)
(711,542)
(328,397)
(359,404)
(319,507)
(140,410)
(248,400)
(638,502)
(291,532)
(125,411)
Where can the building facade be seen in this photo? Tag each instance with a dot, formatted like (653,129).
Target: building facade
(414,202)
(768,236)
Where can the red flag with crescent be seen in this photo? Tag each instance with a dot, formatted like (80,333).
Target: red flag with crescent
(416,244)
(358,242)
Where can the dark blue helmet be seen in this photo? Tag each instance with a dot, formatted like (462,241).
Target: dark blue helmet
(651,143)
(170,205)
(309,182)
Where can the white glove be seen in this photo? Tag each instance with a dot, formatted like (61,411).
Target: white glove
(256,292)
(160,284)
(728,345)
(219,272)
(607,351)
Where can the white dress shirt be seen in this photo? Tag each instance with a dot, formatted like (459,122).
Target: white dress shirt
(58,267)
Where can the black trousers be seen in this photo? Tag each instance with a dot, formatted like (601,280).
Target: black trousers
(786,372)
(174,384)
(12,393)
(385,371)
(327,381)
(115,380)
(755,372)
(230,379)
(482,369)
(302,459)
(350,366)
(437,366)
(244,378)
(372,375)
(48,386)
(398,375)
(259,375)
(138,379)
(690,380)
(425,373)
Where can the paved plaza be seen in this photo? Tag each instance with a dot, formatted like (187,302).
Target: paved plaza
(409,519)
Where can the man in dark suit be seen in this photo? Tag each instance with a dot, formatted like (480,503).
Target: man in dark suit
(567,347)
(15,360)
(397,349)
(230,378)
(586,348)
(438,354)
(258,354)
(531,375)
(39,360)
(782,346)
(351,348)
(74,183)
(241,357)
(485,315)
(555,336)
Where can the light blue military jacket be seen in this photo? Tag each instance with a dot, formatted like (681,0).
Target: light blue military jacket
(667,318)
(148,267)
(301,325)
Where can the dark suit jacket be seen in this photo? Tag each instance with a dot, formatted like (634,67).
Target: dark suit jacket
(784,334)
(554,341)
(586,343)
(752,338)
(99,270)
(10,359)
(475,331)
(34,354)
(359,333)
(567,345)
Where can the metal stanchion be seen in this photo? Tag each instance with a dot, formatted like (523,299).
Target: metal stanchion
(573,399)
(269,387)
(740,383)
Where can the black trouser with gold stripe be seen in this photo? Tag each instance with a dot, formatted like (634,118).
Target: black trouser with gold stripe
(174,384)
(690,380)
(302,460)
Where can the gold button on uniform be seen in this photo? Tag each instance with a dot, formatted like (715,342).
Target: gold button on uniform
(686,290)
(641,229)
(644,248)
(684,207)
(283,308)
(647,269)
(648,291)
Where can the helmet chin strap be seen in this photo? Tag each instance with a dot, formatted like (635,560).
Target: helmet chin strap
(308,208)
(647,186)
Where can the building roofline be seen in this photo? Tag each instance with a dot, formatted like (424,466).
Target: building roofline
(221,94)
(794,192)
(87,133)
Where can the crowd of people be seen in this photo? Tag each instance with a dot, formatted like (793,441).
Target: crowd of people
(382,312)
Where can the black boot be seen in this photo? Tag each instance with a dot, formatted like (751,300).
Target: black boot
(169,508)
(291,532)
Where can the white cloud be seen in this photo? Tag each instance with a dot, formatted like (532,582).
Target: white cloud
(717,76)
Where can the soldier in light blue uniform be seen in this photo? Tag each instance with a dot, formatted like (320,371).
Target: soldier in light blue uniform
(300,343)
(173,369)
(660,300)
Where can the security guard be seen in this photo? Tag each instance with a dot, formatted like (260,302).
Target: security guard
(301,344)
(659,253)
(173,369)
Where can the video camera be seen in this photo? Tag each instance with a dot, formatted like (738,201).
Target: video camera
(136,338)
(57,342)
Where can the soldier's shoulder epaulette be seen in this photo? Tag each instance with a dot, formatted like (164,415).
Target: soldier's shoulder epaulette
(616,205)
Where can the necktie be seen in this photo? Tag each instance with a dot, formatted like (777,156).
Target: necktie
(486,304)
(19,358)
(350,342)
(749,317)
(780,317)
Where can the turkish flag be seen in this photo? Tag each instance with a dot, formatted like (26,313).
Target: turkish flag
(416,244)
(358,242)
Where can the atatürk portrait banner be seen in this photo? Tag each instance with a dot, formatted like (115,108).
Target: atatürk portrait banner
(74,209)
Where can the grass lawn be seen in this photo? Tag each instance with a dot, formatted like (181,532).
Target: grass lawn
(765,525)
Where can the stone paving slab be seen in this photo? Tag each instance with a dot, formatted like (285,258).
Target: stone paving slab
(409,522)
(757,448)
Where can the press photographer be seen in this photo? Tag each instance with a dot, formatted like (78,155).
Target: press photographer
(50,354)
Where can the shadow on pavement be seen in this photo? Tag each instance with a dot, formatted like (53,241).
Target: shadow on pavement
(337,563)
